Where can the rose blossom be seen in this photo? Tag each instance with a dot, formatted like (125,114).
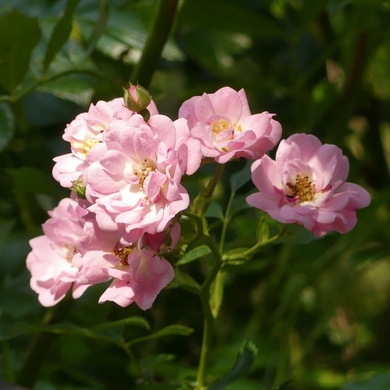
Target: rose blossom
(138,274)
(306,185)
(134,180)
(85,131)
(223,124)
(50,261)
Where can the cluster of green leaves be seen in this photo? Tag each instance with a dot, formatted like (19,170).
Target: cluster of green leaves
(317,310)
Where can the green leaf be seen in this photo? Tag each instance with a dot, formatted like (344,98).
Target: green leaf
(186,281)
(262,231)
(19,35)
(98,27)
(285,385)
(193,15)
(7,125)
(241,367)
(215,50)
(214,211)
(171,330)
(31,180)
(379,381)
(235,252)
(123,31)
(194,254)
(60,33)
(239,203)
(8,332)
(216,294)
(135,320)
(238,179)
(75,88)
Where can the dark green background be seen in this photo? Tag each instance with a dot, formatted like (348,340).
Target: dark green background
(318,310)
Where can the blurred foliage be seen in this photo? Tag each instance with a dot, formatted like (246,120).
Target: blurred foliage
(319,314)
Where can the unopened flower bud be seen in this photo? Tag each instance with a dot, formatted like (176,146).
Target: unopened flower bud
(137,98)
(79,188)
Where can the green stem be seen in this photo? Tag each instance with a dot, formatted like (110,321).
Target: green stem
(213,183)
(161,28)
(226,221)
(208,318)
(209,191)
(245,255)
(23,92)
(134,362)
(8,371)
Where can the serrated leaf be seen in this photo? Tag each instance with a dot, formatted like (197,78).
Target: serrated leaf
(216,294)
(60,34)
(194,254)
(171,330)
(19,35)
(7,125)
(241,367)
(238,179)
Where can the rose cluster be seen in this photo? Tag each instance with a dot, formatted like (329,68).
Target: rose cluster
(125,167)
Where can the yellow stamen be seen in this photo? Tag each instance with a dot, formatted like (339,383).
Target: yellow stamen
(304,189)
(218,126)
(123,253)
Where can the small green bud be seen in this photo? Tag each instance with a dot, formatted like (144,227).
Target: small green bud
(136,98)
(79,188)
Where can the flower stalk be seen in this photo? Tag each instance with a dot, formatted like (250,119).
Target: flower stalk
(158,36)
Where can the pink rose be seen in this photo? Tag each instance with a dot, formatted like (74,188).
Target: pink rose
(84,132)
(225,128)
(138,274)
(306,184)
(50,261)
(135,182)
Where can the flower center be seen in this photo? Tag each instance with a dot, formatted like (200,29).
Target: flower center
(219,125)
(81,148)
(143,170)
(70,252)
(303,189)
(123,253)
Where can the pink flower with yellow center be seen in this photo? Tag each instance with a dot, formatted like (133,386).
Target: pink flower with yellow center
(137,274)
(84,132)
(306,184)
(134,182)
(51,259)
(225,128)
